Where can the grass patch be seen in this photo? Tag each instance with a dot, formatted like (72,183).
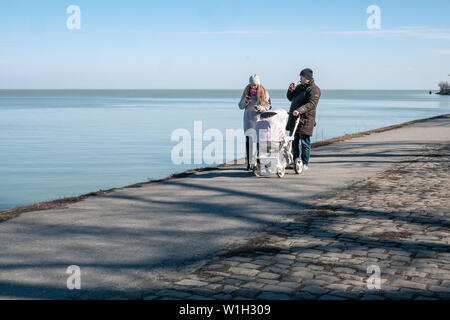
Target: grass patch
(252,249)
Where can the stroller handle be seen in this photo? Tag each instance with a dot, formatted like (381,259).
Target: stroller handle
(296,124)
(291,138)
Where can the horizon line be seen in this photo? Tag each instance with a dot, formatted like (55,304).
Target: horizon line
(189,89)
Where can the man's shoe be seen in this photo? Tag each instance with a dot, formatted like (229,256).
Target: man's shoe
(305,167)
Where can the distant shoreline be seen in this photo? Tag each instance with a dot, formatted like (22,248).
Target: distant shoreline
(64,202)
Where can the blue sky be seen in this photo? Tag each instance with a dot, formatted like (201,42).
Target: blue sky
(218,44)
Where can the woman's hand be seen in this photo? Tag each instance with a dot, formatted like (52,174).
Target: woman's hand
(295,113)
(291,86)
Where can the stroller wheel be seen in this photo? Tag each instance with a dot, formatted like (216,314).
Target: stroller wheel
(281,171)
(298,166)
(256,170)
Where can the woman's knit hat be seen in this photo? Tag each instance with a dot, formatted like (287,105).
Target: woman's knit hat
(254,80)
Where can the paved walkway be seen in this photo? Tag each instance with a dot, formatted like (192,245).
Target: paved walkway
(219,232)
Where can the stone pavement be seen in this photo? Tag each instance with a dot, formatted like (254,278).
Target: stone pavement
(397,220)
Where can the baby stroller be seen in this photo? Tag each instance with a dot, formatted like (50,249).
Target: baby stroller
(274,145)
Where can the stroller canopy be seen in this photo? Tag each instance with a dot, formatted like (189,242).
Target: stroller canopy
(271,125)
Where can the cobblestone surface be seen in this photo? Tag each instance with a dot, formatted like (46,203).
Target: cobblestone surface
(397,220)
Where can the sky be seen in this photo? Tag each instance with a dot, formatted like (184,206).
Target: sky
(217,44)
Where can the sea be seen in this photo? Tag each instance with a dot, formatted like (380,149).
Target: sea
(62,143)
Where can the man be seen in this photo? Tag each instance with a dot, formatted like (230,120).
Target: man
(304,98)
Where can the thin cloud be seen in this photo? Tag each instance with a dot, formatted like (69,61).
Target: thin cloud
(443,52)
(424,33)
(230,32)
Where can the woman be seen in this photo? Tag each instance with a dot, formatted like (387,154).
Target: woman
(255,99)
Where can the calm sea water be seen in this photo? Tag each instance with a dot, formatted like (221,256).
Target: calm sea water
(63,143)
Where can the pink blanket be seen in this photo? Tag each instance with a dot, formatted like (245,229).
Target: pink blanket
(271,125)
